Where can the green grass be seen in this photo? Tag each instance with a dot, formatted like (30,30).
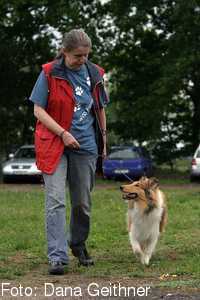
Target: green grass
(23,245)
(21,232)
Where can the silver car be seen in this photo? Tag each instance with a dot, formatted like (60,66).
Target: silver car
(21,165)
(195,165)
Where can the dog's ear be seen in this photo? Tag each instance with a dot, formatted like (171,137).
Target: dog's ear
(142,182)
(154,182)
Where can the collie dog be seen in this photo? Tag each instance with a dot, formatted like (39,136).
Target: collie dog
(147,215)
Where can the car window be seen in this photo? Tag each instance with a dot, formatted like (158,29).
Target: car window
(25,153)
(198,154)
(124,154)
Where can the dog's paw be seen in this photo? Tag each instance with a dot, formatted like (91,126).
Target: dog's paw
(145,259)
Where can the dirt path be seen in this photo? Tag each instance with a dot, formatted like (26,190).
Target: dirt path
(39,285)
(71,288)
(28,187)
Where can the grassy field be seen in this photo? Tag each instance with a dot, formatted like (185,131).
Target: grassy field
(176,262)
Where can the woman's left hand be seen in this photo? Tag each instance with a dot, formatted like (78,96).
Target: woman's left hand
(104,153)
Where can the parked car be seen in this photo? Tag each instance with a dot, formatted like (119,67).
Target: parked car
(127,162)
(21,165)
(195,165)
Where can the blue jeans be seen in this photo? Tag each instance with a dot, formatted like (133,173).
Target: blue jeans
(79,171)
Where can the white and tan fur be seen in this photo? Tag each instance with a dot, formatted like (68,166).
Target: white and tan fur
(146,217)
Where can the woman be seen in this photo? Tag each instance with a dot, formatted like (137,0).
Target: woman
(69,100)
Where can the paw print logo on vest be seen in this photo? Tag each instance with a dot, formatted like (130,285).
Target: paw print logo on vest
(79,91)
(77,107)
(88,81)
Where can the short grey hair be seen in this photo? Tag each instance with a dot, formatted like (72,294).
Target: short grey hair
(76,38)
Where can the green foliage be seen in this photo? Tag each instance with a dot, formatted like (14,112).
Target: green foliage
(155,64)
(150,48)
(24,47)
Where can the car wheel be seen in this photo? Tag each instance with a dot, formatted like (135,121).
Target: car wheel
(193,179)
(104,176)
(6,179)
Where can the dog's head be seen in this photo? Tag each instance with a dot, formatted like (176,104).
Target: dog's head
(141,193)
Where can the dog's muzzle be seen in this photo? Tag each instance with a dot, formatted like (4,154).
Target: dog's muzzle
(129,196)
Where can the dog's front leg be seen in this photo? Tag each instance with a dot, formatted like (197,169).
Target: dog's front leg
(148,251)
(129,222)
(134,243)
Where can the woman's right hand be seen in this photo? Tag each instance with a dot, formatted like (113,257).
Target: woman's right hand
(69,141)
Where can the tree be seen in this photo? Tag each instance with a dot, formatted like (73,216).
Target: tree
(155,63)
(149,47)
(23,47)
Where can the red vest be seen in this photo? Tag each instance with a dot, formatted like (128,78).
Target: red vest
(49,147)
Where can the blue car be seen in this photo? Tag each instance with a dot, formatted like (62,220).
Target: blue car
(127,162)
